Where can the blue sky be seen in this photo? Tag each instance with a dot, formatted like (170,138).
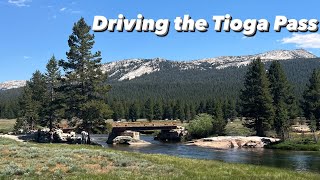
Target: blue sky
(32,30)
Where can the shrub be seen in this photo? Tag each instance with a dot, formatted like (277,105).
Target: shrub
(201,126)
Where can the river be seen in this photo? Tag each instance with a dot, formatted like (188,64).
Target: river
(294,160)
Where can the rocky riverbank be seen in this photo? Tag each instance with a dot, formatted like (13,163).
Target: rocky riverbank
(226,142)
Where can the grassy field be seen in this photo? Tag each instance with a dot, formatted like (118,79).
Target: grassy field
(299,142)
(6,125)
(61,161)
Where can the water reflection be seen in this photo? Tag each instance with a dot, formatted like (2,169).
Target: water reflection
(296,160)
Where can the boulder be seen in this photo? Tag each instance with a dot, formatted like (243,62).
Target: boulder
(222,142)
(128,140)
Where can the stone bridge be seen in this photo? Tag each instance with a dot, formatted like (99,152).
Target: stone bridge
(120,127)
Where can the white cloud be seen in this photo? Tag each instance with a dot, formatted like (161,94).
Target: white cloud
(26,57)
(20,3)
(63,9)
(303,40)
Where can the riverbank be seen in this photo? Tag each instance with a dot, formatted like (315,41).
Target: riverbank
(297,145)
(42,161)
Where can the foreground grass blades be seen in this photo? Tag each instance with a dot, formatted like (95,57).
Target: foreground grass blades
(61,161)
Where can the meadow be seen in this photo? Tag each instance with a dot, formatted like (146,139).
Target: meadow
(6,125)
(61,161)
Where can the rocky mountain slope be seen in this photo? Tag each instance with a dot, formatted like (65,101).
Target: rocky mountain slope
(133,68)
(12,84)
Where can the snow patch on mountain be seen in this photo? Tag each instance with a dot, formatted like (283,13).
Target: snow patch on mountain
(133,68)
(146,68)
(12,84)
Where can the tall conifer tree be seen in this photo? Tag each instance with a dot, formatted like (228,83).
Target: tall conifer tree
(283,99)
(256,99)
(84,85)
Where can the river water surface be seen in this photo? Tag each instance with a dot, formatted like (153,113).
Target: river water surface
(295,160)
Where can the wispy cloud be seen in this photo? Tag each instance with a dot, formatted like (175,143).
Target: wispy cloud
(26,57)
(20,3)
(63,9)
(303,40)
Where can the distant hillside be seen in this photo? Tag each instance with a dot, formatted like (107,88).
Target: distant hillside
(196,84)
(133,68)
(220,77)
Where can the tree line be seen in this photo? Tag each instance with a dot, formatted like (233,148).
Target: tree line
(268,102)
(169,110)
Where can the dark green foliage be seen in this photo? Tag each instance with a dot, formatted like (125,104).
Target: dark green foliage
(311,102)
(118,111)
(158,112)
(218,122)
(29,110)
(31,102)
(133,112)
(84,85)
(256,99)
(283,99)
(148,110)
(53,106)
(311,96)
(230,111)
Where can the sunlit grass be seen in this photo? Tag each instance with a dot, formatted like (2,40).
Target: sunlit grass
(6,125)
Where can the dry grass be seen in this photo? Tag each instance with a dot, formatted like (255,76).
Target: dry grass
(6,125)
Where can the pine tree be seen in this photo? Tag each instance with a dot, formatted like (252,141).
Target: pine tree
(148,108)
(84,85)
(283,99)
(181,113)
(187,113)
(193,112)
(229,108)
(133,112)
(167,111)
(29,110)
(158,113)
(256,99)
(218,121)
(201,108)
(54,101)
(209,107)
(118,111)
(311,100)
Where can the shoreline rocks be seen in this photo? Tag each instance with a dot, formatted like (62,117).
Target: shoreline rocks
(226,142)
(128,140)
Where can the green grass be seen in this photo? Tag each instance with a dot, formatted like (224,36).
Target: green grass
(61,161)
(6,125)
(298,142)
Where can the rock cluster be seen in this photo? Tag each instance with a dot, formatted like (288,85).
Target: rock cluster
(128,140)
(225,142)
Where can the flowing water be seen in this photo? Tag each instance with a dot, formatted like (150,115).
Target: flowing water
(295,160)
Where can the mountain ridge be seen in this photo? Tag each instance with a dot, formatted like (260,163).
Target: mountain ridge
(130,69)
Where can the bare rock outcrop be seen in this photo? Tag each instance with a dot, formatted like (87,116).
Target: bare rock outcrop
(225,142)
